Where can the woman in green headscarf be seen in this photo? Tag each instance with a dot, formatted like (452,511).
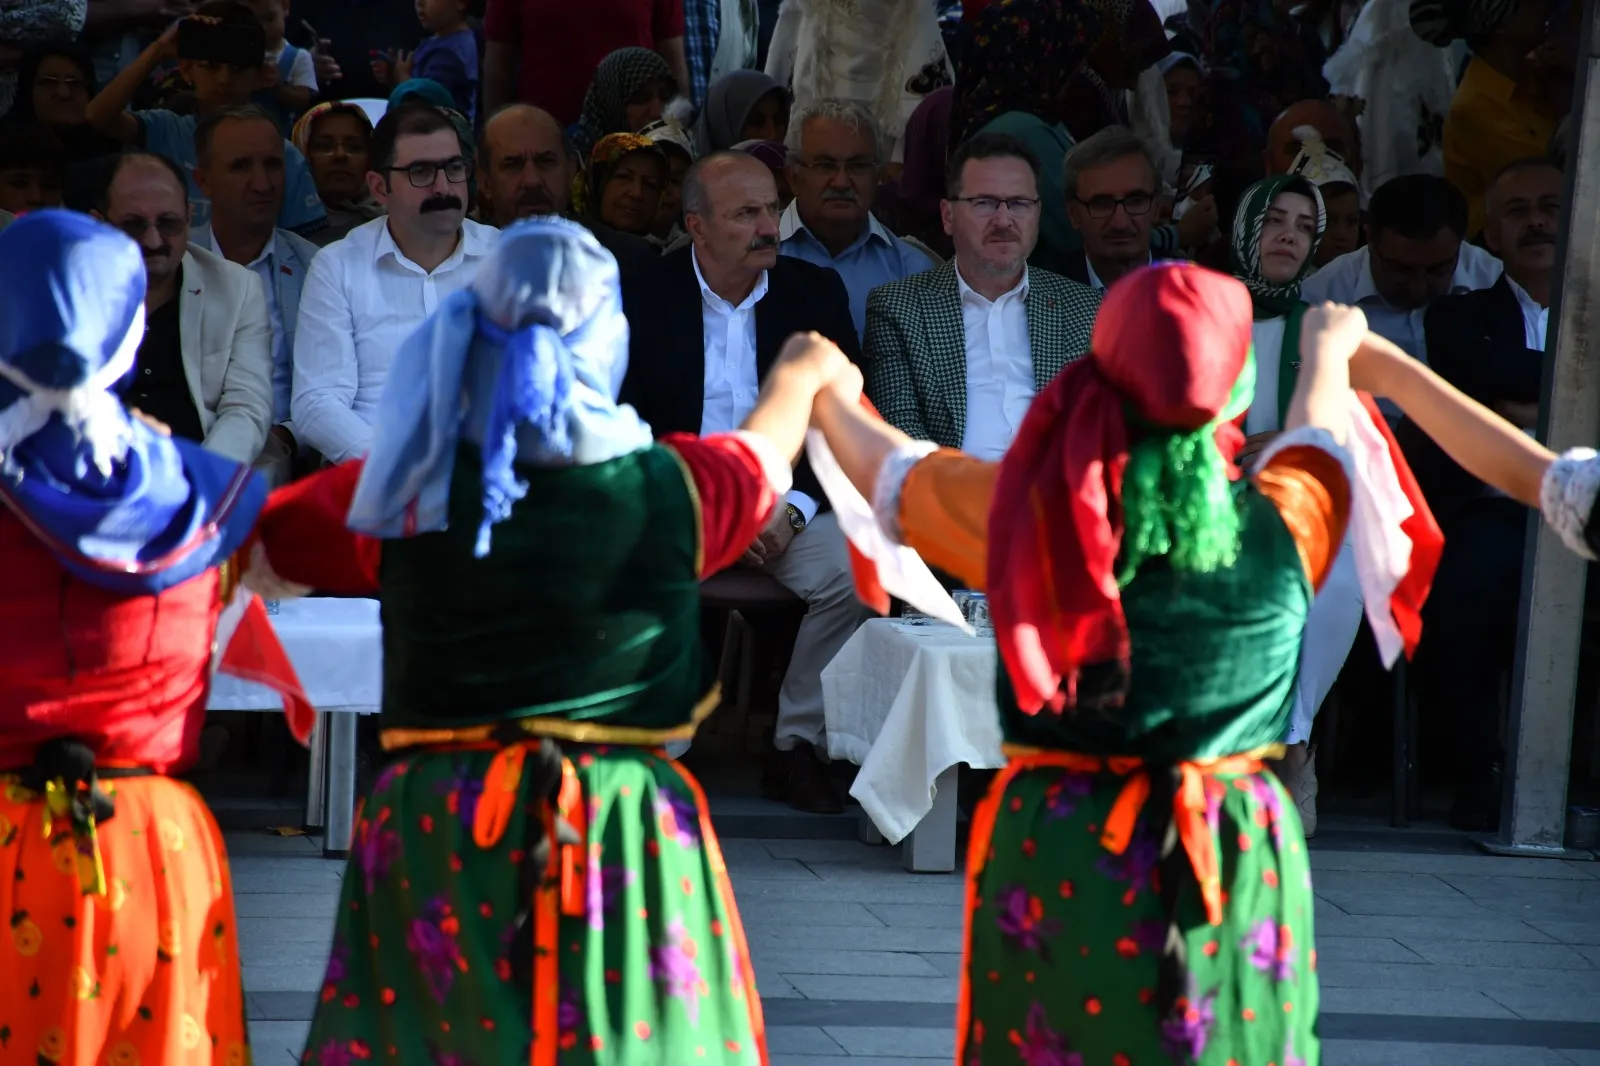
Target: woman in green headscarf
(1277,228)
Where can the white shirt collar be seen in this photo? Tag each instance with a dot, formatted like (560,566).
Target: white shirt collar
(205,238)
(969,293)
(717,302)
(1094,278)
(790,223)
(1522,296)
(476,240)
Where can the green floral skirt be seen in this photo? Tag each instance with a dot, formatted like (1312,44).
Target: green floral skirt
(643,939)
(1064,937)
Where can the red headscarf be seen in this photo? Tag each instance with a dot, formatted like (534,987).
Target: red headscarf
(1169,343)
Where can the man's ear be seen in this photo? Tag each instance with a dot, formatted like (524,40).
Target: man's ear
(378,186)
(200,180)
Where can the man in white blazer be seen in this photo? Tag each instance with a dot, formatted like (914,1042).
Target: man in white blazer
(205,365)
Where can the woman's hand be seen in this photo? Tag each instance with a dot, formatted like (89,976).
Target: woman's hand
(814,356)
(1332,331)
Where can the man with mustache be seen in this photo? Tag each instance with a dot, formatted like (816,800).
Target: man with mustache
(707,323)
(1490,344)
(368,292)
(526,163)
(1111,181)
(955,355)
(204,367)
(835,159)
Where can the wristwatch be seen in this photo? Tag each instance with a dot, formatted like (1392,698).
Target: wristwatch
(797,518)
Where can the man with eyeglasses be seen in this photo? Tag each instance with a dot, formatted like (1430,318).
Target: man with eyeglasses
(204,367)
(955,355)
(1111,181)
(368,292)
(834,161)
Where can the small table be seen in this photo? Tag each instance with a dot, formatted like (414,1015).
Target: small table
(336,646)
(909,704)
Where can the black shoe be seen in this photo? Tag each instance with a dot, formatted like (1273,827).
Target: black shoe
(800,779)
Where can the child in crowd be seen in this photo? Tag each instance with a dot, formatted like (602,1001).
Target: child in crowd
(220,54)
(291,75)
(448,56)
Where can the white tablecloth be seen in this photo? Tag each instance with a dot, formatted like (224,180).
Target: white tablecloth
(336,646)
(906,703)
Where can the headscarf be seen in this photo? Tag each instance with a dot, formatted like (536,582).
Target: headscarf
(1442,22)
(589,189)
(526,363)
(1120,458)
(1321,165)
(665,133)
(1019,57)
(1271,299)
(300,136)
(927,149)
(118,504)
(619,75)
(728,105)
(431,92)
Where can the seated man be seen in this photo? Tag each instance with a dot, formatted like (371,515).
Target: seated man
(956,355)
(1111,182)
(33,168)
(240,153)
(707,322)
(205,365)
(366,293)
(835,157)
(526,163)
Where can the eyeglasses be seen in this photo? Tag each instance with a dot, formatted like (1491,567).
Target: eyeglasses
(856,168)
(985,206)
(168,226)
(423,171)
(1136,203)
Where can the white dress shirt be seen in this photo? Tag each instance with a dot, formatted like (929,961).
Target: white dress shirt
(1348,280)
(999,367)
(732,381)
(264,266)
(362,298)
(1535,319)
(1267,336)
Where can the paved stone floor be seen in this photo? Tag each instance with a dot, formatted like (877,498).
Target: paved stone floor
(1430,952)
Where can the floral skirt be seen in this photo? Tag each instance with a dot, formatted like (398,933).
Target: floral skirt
(1064,938)
(639,957)
(140,965)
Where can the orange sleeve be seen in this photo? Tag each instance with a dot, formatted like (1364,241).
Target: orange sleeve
(944,513)
(733,498)
(1312,493)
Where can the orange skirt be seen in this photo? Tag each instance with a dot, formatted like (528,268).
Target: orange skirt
(145,971)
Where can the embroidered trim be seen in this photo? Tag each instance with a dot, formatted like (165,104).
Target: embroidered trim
(891,478)
(1567,497)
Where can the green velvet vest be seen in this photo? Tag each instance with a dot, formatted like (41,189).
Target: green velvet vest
(1214,656)
(584,615)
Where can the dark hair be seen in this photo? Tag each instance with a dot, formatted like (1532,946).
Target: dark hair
(113,166)
(30,144)
(206,128)
(411,118)
(229,13)
(1417,207)
(28,72)
(988,146)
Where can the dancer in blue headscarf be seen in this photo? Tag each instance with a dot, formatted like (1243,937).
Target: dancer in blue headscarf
(509,900)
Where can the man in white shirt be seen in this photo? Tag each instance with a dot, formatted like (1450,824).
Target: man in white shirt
(707,323)
(241,169)
(368,292)
(1111,181)
(1415,254)
(956,355)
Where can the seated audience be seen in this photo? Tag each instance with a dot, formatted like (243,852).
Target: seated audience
(33,168)
(1111,183)
(909,202)
(708,321)
(1183,78)
(204,367)
(1489,343)
(1130,41)
(448,56)
(956,355)
(1341,195)
(291,78)
(366,293)
(678,146)
(225,68)
(1285,139)
(833,167)
(627,174)
(336,138)
(745,105)
(774,155)
(631,89)
(528,167)
(1415,253)
(55,82)
(241,170)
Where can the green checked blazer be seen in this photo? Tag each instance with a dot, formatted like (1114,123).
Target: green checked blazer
(915,353)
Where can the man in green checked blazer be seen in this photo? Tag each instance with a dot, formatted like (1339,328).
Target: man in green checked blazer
(956,354)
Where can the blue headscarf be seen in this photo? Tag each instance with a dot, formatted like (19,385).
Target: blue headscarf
(526,363)
(120,505)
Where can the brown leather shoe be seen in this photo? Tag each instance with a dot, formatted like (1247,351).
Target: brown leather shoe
(800,779)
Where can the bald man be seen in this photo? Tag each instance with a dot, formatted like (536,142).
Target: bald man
(526,165)
(1337,132)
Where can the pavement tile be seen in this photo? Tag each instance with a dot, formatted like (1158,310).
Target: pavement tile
(1451,952)
(303,976)
(839,852)
(803,915)
(917,915)
(1391,862)
(895,1041)
(277,1043)
(1540,893)
(1339,973)
(1423,1001)
(1400,904)
(1587,933)
(321,906)
(1373,1053)
(853,890)
(1580,1058)
(847,1060)
(800,1040)
(1495,928)
(1365,949)
(947,964)
(283,953)
(1548,1004)
(842,963)
(888,989)
(943,939)
(766,868)
(1413,884)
